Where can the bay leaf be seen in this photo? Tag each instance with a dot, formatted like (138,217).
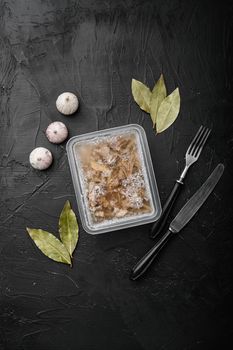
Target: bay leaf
(50,245)
(168,111)
(141,94)
(159,93)
(68,228)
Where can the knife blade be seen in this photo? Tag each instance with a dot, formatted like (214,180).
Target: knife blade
(181,219)
(196,201)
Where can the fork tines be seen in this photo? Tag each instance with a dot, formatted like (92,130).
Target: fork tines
(198,142)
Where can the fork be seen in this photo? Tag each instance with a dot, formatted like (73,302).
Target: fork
(192,154)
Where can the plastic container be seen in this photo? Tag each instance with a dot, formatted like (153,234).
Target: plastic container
(139,210)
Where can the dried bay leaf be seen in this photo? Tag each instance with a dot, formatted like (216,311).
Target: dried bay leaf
(163,109)
(68,228)
(159,93)
(168,111)
(141,94)
(50,245)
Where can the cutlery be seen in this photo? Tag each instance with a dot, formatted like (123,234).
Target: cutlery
(181,219)
(192,154)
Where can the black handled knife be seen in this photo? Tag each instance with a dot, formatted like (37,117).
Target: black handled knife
(181,219)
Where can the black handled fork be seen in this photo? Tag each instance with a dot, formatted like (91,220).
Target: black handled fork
(192,155)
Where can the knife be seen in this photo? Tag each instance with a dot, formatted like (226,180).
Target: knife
(181,219)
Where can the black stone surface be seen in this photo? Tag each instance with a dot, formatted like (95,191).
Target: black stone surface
(94,48)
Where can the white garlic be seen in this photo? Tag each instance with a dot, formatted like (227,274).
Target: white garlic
(67,103)
(40,158)
(56,132)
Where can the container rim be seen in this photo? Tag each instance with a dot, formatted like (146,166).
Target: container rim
(128,221)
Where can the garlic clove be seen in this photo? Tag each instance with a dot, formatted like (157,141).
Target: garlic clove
(40,158)
(56,132)
(67,103)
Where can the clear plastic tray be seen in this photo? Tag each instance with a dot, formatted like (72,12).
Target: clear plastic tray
(80,182)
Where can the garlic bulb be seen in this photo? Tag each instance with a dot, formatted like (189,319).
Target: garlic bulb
(40,158)
(67,103)
(56,132)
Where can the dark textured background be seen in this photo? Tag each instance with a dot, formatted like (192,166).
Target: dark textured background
(94,48)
